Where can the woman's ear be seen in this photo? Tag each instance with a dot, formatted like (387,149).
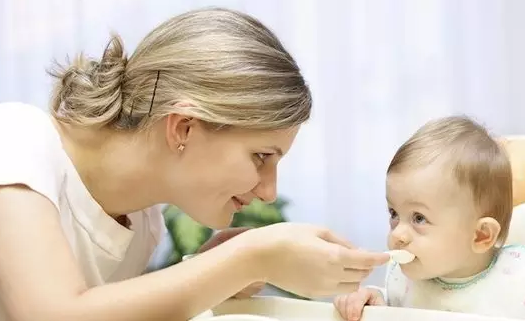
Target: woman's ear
(179,128)
(486,234)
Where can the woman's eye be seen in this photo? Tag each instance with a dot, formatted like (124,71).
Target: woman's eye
(262,156)
(419,218)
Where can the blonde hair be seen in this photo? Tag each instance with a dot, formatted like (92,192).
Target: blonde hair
(478,162)
(226,65)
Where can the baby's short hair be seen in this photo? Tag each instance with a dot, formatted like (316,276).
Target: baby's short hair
(477,162)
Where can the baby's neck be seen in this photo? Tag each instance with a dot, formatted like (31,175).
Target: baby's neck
(476,264)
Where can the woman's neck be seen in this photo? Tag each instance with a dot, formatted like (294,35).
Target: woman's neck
(111,166)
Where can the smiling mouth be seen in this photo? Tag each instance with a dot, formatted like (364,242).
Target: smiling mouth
(238,203)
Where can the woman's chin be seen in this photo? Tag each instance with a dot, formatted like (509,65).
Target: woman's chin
(212,218)
(218,222)
(219,226)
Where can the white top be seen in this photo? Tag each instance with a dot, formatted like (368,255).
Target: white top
(497,291)
(32,154)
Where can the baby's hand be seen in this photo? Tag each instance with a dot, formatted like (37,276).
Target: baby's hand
(350,306)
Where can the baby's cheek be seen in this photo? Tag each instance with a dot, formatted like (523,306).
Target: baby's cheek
(422,249)
(427,248)
(390,242)
(437,258)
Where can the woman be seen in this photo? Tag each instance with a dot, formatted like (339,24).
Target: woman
(198,116)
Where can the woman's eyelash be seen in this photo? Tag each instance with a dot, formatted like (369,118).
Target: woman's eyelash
(263,156)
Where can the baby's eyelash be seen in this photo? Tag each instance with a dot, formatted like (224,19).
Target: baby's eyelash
(419,218)
(392,212)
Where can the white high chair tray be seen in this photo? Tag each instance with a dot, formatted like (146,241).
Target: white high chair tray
(284,309)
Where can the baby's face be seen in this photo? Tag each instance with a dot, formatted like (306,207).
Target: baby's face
(432,217)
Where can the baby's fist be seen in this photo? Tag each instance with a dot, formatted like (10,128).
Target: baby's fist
(350,306)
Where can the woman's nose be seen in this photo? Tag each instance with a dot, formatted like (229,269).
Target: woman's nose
(266,190)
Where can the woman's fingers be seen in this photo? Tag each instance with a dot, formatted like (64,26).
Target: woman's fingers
(347,287)
(336,239)
(352,257)
(362,260)
(352,275)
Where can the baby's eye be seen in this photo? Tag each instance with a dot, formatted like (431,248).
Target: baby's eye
(419,218)
(394,218)
(393,214)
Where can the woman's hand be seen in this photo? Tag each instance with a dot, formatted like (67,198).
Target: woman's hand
(308,260)
(222,237)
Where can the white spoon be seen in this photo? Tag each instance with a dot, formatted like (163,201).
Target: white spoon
(401,256)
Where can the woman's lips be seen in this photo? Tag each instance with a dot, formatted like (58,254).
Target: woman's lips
(237,203)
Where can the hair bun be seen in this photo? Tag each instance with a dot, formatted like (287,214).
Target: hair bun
(90,91)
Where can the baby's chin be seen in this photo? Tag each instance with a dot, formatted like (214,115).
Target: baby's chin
(416,271)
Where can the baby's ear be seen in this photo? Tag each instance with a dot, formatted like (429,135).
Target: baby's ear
(486,234)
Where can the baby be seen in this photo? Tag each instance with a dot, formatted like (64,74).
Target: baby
(449,195)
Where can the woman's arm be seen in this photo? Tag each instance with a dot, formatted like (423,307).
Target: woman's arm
(39,276)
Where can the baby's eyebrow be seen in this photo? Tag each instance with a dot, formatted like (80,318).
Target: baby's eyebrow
(420,204)
(411,202)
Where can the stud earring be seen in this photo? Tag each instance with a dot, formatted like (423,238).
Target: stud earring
(181,147)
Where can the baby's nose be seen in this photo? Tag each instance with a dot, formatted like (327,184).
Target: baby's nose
(401,236)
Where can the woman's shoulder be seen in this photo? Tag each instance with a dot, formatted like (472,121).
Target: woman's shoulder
(27,123)
(17,109)
(32,152)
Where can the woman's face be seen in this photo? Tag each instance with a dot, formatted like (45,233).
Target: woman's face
(219,171)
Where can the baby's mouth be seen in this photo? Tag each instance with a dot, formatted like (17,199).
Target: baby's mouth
(401,256)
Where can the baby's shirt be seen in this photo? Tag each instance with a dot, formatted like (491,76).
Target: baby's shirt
(497,291)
